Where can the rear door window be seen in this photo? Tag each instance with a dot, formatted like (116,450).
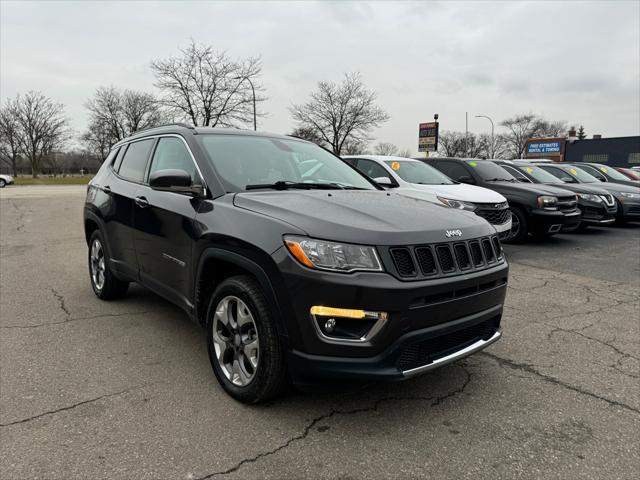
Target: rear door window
(371,169)
(134,163)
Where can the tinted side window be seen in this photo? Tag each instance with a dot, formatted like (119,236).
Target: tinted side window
(171,154)
(351,161)
(453,170)
(594,172)
(372,169)
(116,164)
(516,173)
(565,177)
(135,159)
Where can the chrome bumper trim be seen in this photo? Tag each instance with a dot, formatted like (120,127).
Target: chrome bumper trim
(465,352)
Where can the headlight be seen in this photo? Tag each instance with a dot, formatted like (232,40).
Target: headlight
(338,257)
(459,204)
(547,202)
(589,197)
(630,195)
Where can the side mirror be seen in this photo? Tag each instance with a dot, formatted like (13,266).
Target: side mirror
(467,180)
(177,181)
(385,182)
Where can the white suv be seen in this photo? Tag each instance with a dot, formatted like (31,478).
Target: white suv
(414,178)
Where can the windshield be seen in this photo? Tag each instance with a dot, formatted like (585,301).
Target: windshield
(539,174)
(243,160)
(418,172)
(604,170)
(580,174)
(489,171)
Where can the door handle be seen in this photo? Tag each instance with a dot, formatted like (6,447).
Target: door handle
(142,202)
(106,189)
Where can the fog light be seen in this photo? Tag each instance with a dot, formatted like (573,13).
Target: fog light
(330,325)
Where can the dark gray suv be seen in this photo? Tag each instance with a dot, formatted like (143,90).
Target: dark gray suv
(296,265)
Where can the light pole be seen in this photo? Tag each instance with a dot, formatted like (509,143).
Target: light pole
(253,90)
(493,153)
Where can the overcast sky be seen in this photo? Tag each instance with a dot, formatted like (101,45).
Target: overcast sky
(572,61)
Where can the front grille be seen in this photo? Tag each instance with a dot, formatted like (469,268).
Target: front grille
(425,352)
(403,262)
(634,209)
(462,257)
(444,259)
(567,204)
(426,261)
(608,200)
(494,217)
(476,253)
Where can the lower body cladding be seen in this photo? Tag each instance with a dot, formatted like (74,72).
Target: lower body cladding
(366,327)
(552,221)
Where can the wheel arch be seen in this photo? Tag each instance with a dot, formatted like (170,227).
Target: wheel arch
(217,264)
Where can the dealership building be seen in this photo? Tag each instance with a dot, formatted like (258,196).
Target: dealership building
(614,151)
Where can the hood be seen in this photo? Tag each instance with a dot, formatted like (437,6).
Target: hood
(460,191)
(366,217)
(583,188)
(535,188)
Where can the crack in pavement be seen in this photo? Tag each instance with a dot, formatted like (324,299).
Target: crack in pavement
(20,219)
(61,302)
(435,400)
(69,320)
(69,407)
(529,368)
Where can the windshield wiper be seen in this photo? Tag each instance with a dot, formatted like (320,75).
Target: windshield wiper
(287,184)
(497,180)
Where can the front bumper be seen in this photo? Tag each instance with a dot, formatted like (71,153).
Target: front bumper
(597,213)
(440,310)
(552,221)
(630,209)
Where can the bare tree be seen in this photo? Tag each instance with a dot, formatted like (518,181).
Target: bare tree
(451,144)
(10,134)
(209,88)
(354,147)
(406,153)
(341,112)
(309,134)
(385,148)
(550,129)
(44,128)
(115,114)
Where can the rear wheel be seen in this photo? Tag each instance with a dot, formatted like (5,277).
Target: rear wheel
(519,226)
(104,283)
(243,343)
(3,183)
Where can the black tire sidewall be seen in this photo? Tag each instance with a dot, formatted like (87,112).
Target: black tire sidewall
(524,227)
(113,287)
(270,363)
(2,183)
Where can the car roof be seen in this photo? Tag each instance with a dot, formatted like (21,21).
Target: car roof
(182,128)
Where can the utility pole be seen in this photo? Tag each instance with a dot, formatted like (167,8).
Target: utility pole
(493,152)
(466,133)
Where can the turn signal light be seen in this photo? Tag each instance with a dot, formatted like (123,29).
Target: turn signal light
(321,311)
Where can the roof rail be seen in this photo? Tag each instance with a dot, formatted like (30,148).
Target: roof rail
(173,124)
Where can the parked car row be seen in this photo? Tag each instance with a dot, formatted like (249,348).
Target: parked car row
(543,198)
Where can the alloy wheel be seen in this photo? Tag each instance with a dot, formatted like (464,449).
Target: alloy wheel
(515,227)
(97,264)
(235,340)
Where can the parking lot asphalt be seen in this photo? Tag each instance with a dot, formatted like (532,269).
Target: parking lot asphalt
(124,389)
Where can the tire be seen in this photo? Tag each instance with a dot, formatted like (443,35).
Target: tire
(519,226)
(582,227)
(238,317)
(3,183)
(104,283)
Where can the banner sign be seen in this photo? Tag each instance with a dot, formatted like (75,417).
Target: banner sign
(543,147)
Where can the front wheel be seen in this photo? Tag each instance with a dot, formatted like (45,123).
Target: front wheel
(519,226)
(3,183)
(104,283)
(243,343)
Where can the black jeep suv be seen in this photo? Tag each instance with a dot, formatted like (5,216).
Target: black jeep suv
(539,210)
(598,206)
(294,273)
